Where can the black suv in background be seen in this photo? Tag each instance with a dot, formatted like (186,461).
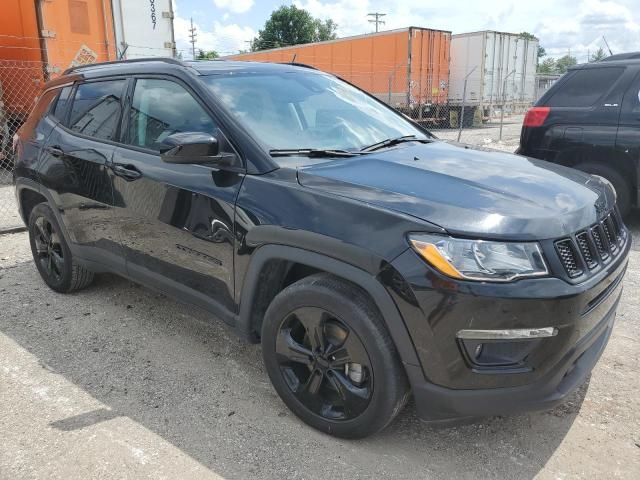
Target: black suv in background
(369,259)
(590,120)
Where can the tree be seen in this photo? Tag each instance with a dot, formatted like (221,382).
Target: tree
(598,55)
(208,55)
(548,66)
(530,36)
(563,63)
(289,25)
(541,52)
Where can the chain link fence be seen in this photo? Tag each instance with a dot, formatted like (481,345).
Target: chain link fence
(482,110)
(453,105)
(20,84)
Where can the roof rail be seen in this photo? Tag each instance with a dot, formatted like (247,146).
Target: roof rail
(133,60)
(622,56)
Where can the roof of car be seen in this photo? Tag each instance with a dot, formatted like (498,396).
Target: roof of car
(201,67)
(623,56)
(621,59)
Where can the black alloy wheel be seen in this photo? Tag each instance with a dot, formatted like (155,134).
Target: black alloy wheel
(324,363)
(49,251)
(330,357)
(51,254)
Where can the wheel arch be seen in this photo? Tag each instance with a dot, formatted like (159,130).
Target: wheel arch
(623,164)
(28,197)
(272,265)
(37,191)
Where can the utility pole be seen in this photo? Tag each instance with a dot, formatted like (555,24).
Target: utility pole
(193,35)
(377,16)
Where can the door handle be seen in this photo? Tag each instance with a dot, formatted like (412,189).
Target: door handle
(128,172)
(55,151)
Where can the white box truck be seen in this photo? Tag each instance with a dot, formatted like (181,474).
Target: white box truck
(501,69)
(143,28)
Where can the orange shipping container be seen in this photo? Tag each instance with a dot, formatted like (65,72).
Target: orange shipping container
(405,67)
(39,39)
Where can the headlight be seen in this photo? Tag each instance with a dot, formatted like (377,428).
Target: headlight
(479,259)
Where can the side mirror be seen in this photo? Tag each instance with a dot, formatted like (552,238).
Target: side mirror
(194,148)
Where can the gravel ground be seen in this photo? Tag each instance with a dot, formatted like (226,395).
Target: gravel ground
(489,134)
(9,217)
(119,382)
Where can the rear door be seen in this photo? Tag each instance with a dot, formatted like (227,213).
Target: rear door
(176,221)
(74,169)
(33,135)
(584,107)
(628,140)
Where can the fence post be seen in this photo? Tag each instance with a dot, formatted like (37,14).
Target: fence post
(504,100)
(464,98)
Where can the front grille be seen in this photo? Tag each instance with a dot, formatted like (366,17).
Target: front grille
(600,243)
(589,248)
(568,257)
(588,253)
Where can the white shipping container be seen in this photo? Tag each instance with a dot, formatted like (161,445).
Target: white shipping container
(144,28)
(496,56)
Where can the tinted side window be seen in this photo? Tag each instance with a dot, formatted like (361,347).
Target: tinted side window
(40,110)
(62,102)
(585,87)
(160,108)
(632,99)
(96,109)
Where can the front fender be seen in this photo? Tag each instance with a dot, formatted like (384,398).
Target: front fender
(358,276)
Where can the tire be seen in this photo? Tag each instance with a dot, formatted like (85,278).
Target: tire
(51,253)
(622,186)
(351,403)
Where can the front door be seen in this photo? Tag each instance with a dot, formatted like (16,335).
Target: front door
(176,221)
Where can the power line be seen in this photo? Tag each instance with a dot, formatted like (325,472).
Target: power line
(377,16)
(193,35)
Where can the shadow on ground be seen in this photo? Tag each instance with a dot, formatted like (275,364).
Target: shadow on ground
(194,384)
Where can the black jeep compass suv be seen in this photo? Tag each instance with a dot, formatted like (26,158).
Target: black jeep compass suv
(370,260)
(590,120)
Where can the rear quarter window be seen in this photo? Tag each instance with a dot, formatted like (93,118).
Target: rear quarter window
(62,102)
(585,87)
(41,108)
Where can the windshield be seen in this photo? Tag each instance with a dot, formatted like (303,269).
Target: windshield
(307,110)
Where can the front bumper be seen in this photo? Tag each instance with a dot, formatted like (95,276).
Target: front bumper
(438,403)
(448,384)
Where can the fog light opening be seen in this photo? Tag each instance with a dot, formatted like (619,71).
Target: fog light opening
(478,350)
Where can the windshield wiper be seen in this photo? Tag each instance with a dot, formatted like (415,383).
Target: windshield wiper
(394,141)
(311,152)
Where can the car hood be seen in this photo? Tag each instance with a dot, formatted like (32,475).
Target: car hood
(469,191)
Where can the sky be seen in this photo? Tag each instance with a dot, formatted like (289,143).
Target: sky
(563,26)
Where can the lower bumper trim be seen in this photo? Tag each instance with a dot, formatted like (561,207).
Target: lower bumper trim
(435,403)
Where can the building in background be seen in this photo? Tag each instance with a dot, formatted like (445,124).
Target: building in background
(144,28)
(544,82)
